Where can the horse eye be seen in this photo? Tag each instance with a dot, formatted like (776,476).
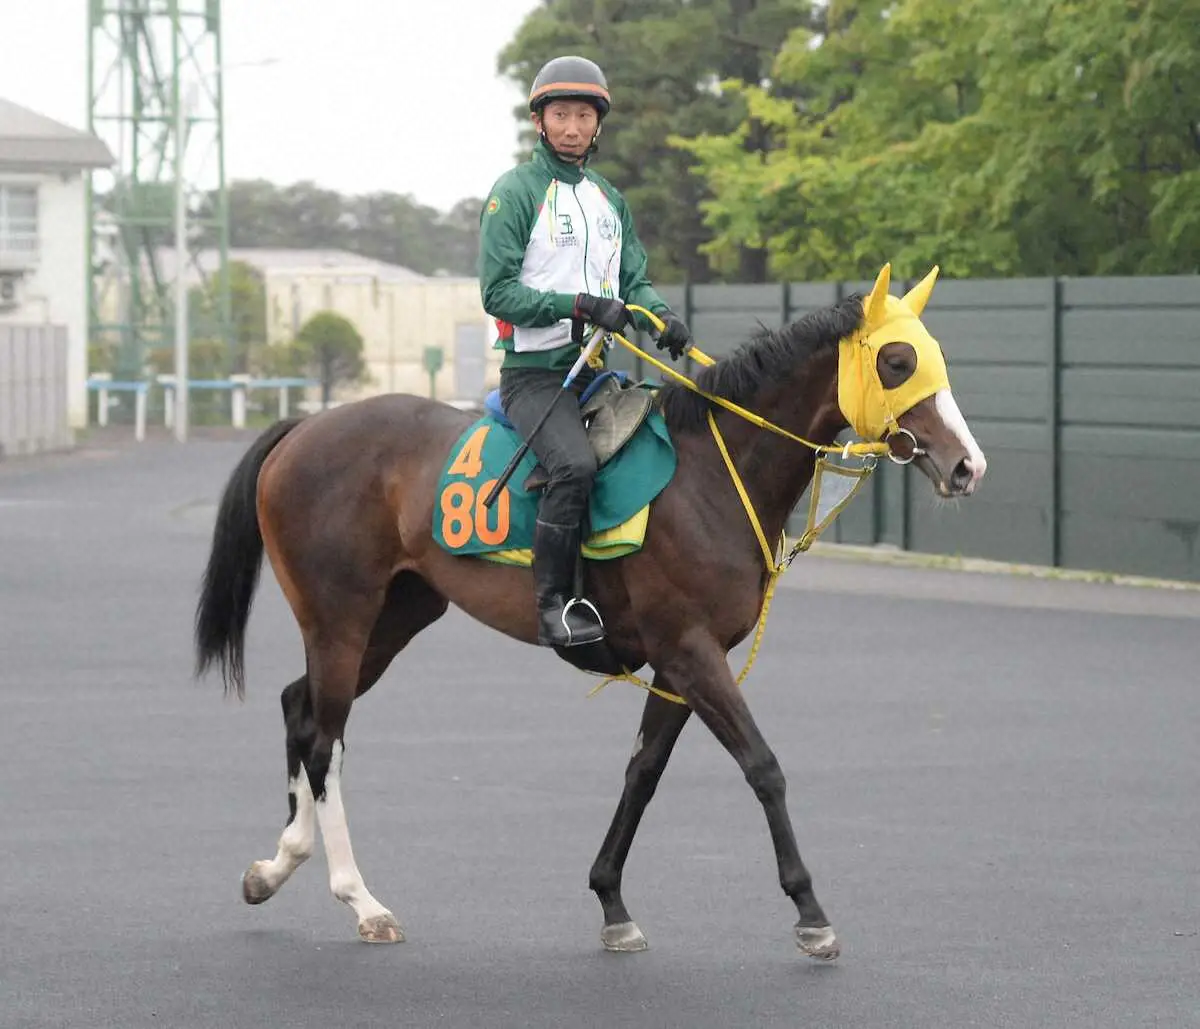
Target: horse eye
(897,363)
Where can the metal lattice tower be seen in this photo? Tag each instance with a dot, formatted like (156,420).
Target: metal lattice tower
(145,58)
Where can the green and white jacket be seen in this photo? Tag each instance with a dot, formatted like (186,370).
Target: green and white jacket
(549,231)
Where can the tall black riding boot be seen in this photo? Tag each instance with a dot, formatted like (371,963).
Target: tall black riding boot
(564,620)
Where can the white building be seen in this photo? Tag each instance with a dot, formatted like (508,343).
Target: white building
(399,312)
(43,232)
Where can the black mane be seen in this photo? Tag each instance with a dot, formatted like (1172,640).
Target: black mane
(770,355)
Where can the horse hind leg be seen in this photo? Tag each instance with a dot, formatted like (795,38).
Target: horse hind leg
(662,722)
(263,879)
(410,605)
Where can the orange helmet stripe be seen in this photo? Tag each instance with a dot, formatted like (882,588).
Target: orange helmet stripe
(583,88)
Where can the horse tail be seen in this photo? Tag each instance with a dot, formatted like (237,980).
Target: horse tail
(227,590)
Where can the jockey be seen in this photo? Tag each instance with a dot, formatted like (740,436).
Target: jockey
(557,243)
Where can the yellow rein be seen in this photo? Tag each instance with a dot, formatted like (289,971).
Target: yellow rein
(860,449)
(775,568)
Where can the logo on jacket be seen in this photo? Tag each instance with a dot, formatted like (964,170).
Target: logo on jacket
(607,226)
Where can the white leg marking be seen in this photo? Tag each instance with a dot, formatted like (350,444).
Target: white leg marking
(345,880)
(947,409)
(296,842)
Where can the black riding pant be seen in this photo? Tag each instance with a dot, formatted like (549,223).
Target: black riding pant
(561,446)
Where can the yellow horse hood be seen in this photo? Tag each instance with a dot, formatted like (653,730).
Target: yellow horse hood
(869,406)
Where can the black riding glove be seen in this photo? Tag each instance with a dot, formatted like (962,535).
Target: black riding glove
(605,312)
(676,337)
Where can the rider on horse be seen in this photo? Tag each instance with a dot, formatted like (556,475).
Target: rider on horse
(557,243)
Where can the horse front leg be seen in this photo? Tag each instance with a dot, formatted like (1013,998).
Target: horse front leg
(662,722)
(701,670)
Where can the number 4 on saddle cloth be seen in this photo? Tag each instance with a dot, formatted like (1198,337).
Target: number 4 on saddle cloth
(633,451)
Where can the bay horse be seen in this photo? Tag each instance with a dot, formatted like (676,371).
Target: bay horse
(343,503)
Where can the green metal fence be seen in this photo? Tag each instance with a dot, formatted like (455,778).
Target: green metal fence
(1083,393)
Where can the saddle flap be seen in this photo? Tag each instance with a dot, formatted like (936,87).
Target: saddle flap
(612,410)
(613,413)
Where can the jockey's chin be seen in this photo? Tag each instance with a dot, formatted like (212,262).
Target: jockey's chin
(572,150)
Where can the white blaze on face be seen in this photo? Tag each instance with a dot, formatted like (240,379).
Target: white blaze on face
(947,409)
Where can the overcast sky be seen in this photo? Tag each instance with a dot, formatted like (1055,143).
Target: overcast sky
(367,95)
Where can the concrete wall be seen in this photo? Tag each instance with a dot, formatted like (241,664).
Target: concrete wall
(33,389)
(1083,393)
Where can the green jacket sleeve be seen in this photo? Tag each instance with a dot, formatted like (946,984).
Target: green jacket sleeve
(504,227)
(636,287)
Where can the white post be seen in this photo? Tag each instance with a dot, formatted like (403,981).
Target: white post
(181,298)
(139,429)
(238,403)
(168,384)
(283,401)
(102,398)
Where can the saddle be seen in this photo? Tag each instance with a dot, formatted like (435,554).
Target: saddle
(612,409)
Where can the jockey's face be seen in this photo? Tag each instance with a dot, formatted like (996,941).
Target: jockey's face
(569,125)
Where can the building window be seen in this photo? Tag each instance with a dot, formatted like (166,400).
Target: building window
(18,221)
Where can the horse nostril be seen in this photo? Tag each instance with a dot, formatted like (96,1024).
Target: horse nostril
(961,477)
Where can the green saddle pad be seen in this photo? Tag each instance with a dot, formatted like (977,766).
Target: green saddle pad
(623,486)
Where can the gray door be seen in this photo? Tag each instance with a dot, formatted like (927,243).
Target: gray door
(470,360)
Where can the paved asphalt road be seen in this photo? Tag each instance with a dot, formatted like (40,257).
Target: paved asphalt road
(994,781)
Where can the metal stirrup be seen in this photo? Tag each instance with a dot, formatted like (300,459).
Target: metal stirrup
(584,602)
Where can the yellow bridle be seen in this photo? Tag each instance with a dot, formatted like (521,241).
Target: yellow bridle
(869,407)
(776,565)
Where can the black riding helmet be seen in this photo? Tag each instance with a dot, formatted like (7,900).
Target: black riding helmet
(570,78)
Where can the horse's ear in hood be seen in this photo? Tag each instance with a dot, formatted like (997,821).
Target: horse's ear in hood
(875,306)
(917,297)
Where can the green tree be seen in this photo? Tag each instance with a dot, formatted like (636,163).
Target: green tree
(248,307)
(1098,109)
(663,59)
(995,137)
(248,315)
(330,348)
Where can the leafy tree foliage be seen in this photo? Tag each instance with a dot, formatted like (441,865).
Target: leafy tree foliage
(248,313)
(386,226)
(330,349)
(995,137)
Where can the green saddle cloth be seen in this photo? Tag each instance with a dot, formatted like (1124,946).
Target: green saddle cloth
(623,487)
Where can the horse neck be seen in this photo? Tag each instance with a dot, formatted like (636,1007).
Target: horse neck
(775,470)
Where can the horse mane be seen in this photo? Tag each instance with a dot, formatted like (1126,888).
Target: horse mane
(770,355)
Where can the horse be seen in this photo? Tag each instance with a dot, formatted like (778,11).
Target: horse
(343,503)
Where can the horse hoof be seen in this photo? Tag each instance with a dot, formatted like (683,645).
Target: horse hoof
(623,938)
(818,941)
(255,888)
(381,929)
